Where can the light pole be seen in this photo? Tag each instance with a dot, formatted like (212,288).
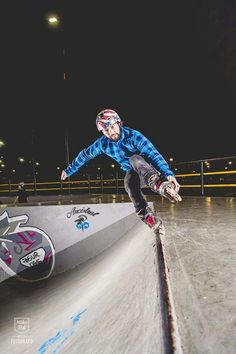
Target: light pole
(56,23)
(2,164)
(67,152)
(33,161)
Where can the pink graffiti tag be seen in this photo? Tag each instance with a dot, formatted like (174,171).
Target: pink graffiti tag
(25,241)
(30,233)
(23,247)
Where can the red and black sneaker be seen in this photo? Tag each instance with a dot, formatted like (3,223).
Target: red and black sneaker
(150,218)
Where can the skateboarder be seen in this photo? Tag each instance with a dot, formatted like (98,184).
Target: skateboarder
(129,148)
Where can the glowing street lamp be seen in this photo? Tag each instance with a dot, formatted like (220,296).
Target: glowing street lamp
(2,143)
(52,19)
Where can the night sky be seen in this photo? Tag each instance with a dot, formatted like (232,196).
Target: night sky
(169,70)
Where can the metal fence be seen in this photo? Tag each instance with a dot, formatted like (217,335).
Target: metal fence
(202,177)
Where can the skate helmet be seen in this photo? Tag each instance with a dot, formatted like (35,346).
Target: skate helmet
(106,118)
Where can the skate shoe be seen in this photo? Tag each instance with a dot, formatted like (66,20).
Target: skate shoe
(164,188)
(151,219)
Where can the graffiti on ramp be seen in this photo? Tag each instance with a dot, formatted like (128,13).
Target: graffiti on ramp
(26,252)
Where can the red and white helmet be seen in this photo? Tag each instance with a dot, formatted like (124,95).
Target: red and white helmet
(106,118)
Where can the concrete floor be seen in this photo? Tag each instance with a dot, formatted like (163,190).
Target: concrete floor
(200,248)
(114,303)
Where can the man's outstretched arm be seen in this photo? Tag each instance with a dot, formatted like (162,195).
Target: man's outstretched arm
(83,156)
(146,148)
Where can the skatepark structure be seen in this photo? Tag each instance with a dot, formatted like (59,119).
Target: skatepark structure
(116,287)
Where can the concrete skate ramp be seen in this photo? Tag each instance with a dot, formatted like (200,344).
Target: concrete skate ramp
(39,241)
(113,303)
(109,304)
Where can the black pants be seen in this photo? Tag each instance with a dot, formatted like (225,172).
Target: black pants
(136,179)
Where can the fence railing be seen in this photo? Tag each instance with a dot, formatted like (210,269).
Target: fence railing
(201,176)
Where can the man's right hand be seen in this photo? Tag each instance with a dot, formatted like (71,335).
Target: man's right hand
(63,175)
(170,192)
